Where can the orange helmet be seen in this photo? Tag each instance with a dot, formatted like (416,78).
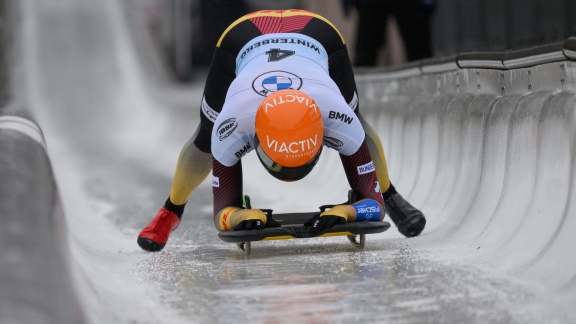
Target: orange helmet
(289,134)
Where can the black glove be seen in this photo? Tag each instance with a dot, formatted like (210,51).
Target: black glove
(255,223)
(249,224)
(319,222)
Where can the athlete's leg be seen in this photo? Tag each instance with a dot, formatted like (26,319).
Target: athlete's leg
(195,160)
(377,153)
(192,168)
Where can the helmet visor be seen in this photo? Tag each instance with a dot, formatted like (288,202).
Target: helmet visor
(281,172)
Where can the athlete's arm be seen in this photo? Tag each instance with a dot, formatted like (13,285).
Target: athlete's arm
(361,175)
(227,189)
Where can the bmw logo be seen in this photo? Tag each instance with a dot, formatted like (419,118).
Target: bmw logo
(274,81)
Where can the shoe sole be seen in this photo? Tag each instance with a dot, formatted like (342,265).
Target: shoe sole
(414,227)
(148,245)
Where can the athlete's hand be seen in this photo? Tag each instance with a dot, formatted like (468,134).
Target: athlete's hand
(251,219)
(235,219)
(257,222)
(327,219)
(249,224)
(319,223)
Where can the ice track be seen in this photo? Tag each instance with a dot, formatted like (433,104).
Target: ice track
(487,153)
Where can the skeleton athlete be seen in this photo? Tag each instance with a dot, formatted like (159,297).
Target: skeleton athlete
(281,84)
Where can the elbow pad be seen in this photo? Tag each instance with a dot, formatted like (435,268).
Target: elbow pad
(368,210)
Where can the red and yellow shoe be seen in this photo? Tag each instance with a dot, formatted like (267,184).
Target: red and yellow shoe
(154,236)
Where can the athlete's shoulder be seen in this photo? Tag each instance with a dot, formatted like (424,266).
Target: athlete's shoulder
(290,14)
(282,13)
(278,21)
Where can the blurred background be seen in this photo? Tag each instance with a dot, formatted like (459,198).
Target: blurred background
(378,32)
(4,40)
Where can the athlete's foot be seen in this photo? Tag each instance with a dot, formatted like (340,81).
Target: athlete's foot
(409,220)
(154,236)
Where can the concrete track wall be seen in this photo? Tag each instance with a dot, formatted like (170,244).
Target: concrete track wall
(484,144)
(34,265)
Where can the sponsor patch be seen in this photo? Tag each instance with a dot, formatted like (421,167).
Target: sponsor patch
(367,210)
(341,117)
(276,54)
(295,149)
(272,81)
(287,98)
(210,113)
(366,168)
(333,143)
(240,153)
(226,128)
(298,41)
(215,182)
(354,103)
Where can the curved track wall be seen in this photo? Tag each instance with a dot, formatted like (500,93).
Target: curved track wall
(34,273)
(484,144)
